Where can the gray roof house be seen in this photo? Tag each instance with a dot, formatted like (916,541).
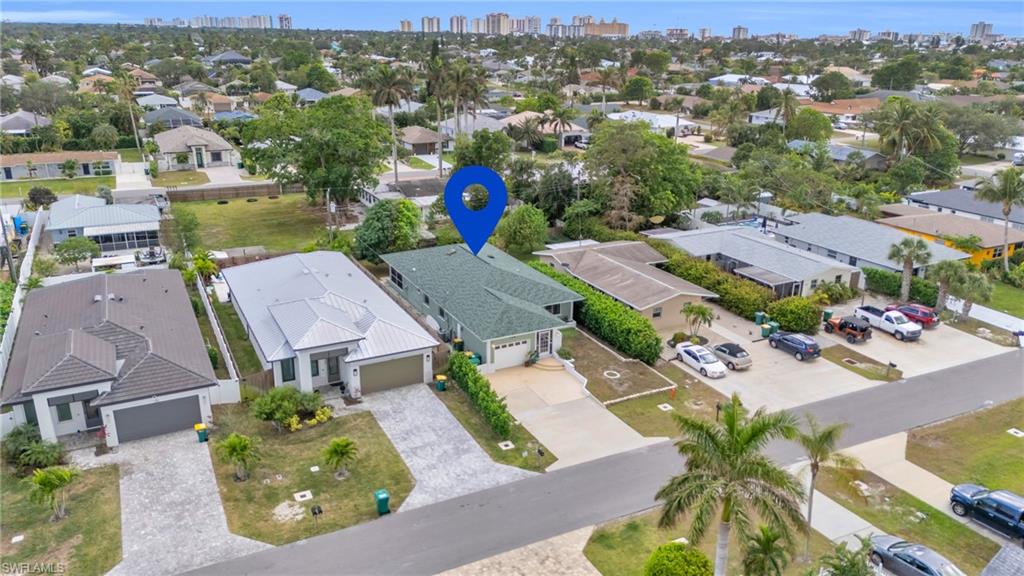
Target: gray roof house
(117,352)
(316,319)
(171,117)
(227,57)
(310,96)
(626,271)
(198,147)
(21,122)
(745,252)
(468,124)
(854,241)
(115,227)
(500,308)
(156,101)
(840,153)
(962,202)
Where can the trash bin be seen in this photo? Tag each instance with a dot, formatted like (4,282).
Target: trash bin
(201,432)
(765,330)
(241,165)
(382,498)
(774,326)
(827,315)
(759,317)
(457,344)
(441,382)
(474,358)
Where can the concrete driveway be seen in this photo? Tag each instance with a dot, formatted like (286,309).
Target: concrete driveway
(553,406)
(223,175)
(172,519)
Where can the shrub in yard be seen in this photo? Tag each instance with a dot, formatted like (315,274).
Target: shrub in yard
(480,393)
(242,451)
(795,314)
(17,440)
(888,283)
(677,559)
(739,296)
(41,454)
(836,292)
(285,407)
(44,266)
(248,393)
(612,321)
(214,356)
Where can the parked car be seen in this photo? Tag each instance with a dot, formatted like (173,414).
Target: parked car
(918,313)
(734,356)
(700,359)
(1018,159)
(583,143)
(1000,510)
(902,558)
(893,322)
(840,126)
(800,346)
(853,328)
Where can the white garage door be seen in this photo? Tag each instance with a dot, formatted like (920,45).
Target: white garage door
(511,353)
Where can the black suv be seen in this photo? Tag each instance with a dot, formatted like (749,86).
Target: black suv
(1000,510)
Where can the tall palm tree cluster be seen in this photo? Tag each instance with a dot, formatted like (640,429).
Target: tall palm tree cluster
(905,128)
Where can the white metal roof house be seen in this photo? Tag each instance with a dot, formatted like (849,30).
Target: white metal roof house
(661,123)
(115,227)
(316,320)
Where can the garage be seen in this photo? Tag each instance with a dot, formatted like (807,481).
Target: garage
(509,354)
(391,374)
(157,418)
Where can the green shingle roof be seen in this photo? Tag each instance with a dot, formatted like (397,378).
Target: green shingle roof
(493,294)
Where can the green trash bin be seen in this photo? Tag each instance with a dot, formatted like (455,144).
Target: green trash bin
(765,330)
(202,432)
(827,315)
(382,498)
(441,382)
(759,317)
(774,326)
(457,344)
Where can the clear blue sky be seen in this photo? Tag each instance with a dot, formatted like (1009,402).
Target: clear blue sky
(804,18)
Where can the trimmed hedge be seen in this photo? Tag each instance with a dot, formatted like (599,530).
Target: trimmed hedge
(31,144)
(737,295)
(677,559)
(480,393)
(548,145)
(885,282)
(612,321)
(796,314)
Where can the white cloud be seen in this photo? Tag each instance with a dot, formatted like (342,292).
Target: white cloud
(62,16)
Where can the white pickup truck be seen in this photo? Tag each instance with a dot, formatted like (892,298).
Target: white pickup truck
(893,322)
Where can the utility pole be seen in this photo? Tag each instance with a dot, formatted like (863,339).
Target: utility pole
(327,205)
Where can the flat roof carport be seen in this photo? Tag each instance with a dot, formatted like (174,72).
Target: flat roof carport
(762,276)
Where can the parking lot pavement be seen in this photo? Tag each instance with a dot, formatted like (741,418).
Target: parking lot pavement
(553,406)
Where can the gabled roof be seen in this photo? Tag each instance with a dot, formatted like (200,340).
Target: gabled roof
(943,224)
(282,85)
(229,57)
(492,294)
(22,121)
(171,116)
(311,95)
(190,87)
(156,100)
(964,201)
(846,106)
(84,211)
(316,299)
(420,135)
(183,138)
(624,270)
(67,358)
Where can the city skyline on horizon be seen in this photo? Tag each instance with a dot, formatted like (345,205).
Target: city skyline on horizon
(803,19)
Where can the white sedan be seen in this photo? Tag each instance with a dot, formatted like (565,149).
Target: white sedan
(700,359)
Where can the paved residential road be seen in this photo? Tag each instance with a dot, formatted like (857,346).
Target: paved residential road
(448,534)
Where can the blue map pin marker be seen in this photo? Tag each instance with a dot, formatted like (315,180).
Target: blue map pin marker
(475,226)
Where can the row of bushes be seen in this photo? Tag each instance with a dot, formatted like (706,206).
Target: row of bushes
(612,321)
(796,314)
(480,393)
(885,282)
(737,295)
(31,144)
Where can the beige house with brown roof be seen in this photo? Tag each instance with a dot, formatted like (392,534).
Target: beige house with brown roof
(190,148)
(626,271)
(94,84)
(846,110)
(420,140)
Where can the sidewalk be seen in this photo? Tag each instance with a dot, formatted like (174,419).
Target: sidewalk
(988,315)
(831,519)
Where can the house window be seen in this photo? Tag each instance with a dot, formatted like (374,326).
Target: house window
(426,299)
(657,312)
(555,309)
(839,278)
(215,156)
(997,252)
(314,367)
(814,284)
(288,370)
(396,278)
(63,412)
(831,253)
(440,312)
(853,261)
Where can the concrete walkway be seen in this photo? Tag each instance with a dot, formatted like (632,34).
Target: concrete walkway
(223,175)
(172,519)
(831,519)
(132,176)
(887,458)
(443,458)
(559,555)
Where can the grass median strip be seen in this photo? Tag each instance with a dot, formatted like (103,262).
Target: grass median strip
(860,364)
(692,398)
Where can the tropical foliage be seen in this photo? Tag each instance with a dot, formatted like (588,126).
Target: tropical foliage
(796,314)
(677,559)
(484,398)
(890,284)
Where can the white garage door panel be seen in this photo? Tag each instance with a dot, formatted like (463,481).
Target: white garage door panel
(511,354)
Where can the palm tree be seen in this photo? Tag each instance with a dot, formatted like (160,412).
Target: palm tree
(608,79)
(560,119)
(388,87)
(240,450)
(1007,189)
(124,87)
(437,78)
(338,454)
(904,127)
(787,107)
(50,487)
(766,553)
(199,103)
(697,315)
(946,274)
(846,561)
(727,474)
(974,287)
(820,444)
(910,251)
(738,195)
(460,77)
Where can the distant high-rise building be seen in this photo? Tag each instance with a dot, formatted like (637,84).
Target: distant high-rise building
(582,20)
(430,24)
(610,29)
(888,35)
(499,23)
(649,34)
(860,35)
(740,33)
(479,26)
(704,33)
(458,25)
(284,22)
(677,34)
(405,26)
(533,24)
(980,30)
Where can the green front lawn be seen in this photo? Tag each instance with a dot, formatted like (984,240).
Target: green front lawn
(467,415)
(622,547)
(600,367)
(415,162)
(974,448)
(285,470)
(692,398)
(865,366)
(180,178)
(85,185)
(1008,299)
(285,224)
(130,154)
(87,542)
(898,513)
(246,360)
